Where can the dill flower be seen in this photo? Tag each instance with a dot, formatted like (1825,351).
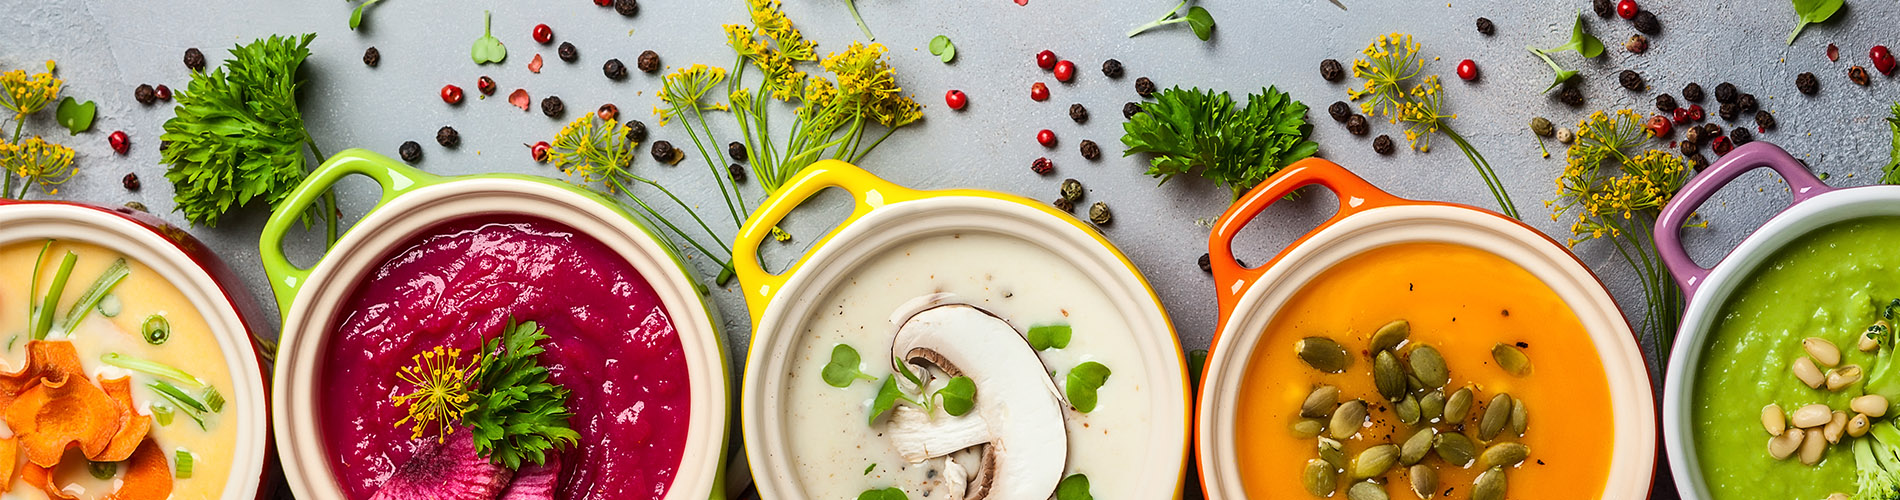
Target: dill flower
(1621,131)
(36,160)
(442,391)
(25,94)
(683,90)
(592,149)
(1423,113)
(1390,61)
(1393,90)
(769,20)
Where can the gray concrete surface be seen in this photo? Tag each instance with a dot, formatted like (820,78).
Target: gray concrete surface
(107,47)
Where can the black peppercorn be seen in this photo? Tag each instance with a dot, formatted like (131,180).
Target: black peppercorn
(1603,8)
(1340,111)
(1765,120)
(1666,103)
(614,69)
(1726,93)
(145,94)
(636,131)
(1078,113)
(1711,131)
(628,8)
(1692,92)
(1072,190)
(1646,22)
(1630,80)
(1112,68)
(1144,87)
(1207,264)
(1383,144)
(1692,136)
(1748,104)
(131,182)
(448,137)
(1098,214)
(663,152)
(570,54)
(736,151)
(736,172)
(1331,70)
(1129,110)
(1858,75)
(552,106)
(1090,151)
(195,59)
(410,151)
(372,57)
(1064,204)
(1356,124)
(1486,27)
(649,61)
(1688,147)
(1730,111)
(1740,136)
(1042,166)
(1807,83)
(1570,96)
(1698,162)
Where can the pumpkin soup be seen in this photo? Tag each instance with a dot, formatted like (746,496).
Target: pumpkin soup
(1473,319)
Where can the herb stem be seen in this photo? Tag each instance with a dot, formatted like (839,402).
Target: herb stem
(853,5)
(1484,170)
(1164,21)
(19,123)
(712,167)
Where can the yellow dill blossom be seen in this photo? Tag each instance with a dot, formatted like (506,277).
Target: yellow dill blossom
(1390,61)
(682,91)
(769,20)
(1424,113)
(1621,132)
(594,150)
(38,161)
(25,94)
(742,41)
(1610,191)
(442,391)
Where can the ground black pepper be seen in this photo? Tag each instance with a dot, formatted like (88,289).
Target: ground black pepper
(1129,110)
(1064,204)
(1646,22)
(372,57)
(552,106)
(649,61)
(131,182)
(628,8)
(1340,111)
(1098,213)
(1383,145)
(410,151)
(1603,8)
(1042,166)
(736,172)
(448,137)
(663,152)
(1144,87)
(1807,83)
(1765,120)
(568,53)
(1486,27)
(1740,136)
(1726,93)
(1112,68)
(614,69)
(1331,70)
(1078,113)
(1570,96)
(1666,103)
(1091,151)
(636,131)
(195,59)
(1729,111)
(1630,80)
(145,94)
(1692,92)
(1858,75)
(1748,104)
(736,151)
(1356,124)
(1072,190)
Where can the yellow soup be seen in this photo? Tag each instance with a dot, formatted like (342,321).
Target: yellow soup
(189,347)
(1462,302)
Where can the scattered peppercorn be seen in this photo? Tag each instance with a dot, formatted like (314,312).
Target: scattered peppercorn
(1383,145)
(1711,131)
(1098,213)
(636,131)
(552,106)
(1078,113)
(1692,92)
(1740,136)
(1721,146)
(1090,151)
(1129,110)
(1112,68)
(1356,124)
(1697,161)
(568,52)
(1564,135)
(628,8)
(1047,59)
(543,34)
(1603,8)
(1630,80)
(145,94)
(1696,113)
(663,152)
(1659,126)
(1627,9)
(649,61)
(1570,96)
(1064,71)
(1748,104)
(1331,70)
(736,172)
(1072,190)
(1765,120)
(131,182)
(1486,27)
(1064,205)
(607,112)
(410,151)
(163,93)
(1046,137)
(1144,87)
(1726,93)
(1042,166)
(1207,264)
(538,151)
(120,142)
(736,151)
(1858,75)
(136,206)
(1729,111)
(1692,136)
(448,137)
(1687,146)
(1833,53)
(1807,83)
(1468,70)
(372,57)
(451,94)
(196,60)
(1340,111)
(485,85)
(1542,127)
(1666,103)
(1646,22)
(1638,44)
(614,69)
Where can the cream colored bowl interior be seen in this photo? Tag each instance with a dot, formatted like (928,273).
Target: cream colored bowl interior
(314,314)
(34,222)
(1632,460)
(766,438)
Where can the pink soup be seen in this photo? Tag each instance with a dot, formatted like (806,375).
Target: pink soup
(611,344)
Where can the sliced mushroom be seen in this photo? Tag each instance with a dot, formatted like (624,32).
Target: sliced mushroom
(1017,420)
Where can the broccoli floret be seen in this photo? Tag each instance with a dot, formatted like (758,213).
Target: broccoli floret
(1876,483)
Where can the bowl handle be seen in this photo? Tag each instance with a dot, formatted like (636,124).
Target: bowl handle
(1355,195)
(868,191)
(1745,158)
(394,178)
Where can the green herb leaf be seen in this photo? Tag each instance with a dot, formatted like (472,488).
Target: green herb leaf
(1582,41)
(887,395)
(1562,75)
(152,368)
(1201,22)
(959,396)
(356,17)
(1893,166)
(869,468)
(843,368)
(1191,131)
(942,48)
(1074,487)
(74,116)
(883,494)
(488,49)
(518,416)
(1045,337)
(1810,12)
(237,135)
(1084,380)
(89,301)
(904,369)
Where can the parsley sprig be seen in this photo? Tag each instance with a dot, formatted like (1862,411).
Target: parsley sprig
(519,416)
(1238,147)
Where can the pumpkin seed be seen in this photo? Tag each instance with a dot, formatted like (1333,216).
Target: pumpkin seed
(1407,409)
(1412,384)
(1872,405)
(1813,447)
(1390,335)
(1859,425)
(1432,406)
(1805,370)
(1374,461)
(1429,366)
(1424,480)
(1773,419)
(1841,378)
(1320,478)
(1333,452)
(1783,446)
(1512,360)
(1323,354)
(1455,448)
(1347,420)
(1366,490)
(1813,415)
(1520,417)
(1321,402)
(1836,425)
(1495,416)
(1387,375)
(1457,405)
(1306,428)
(1505,454)
(1490,485)
(1823,351)
(1415,448)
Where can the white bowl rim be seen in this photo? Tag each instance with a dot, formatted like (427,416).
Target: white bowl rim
(1633,454)
(334,278)
(1723,280)
(897,223)
(37,221)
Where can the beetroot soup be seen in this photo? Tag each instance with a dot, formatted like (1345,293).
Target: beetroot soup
(610,343)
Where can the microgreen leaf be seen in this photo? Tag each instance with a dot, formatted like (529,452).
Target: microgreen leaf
(1044,337)
(74,116)
(1201,22)
(943,48)
(1582,41)
(356,17)
(887,395)
(1562,75)
(1810,12)
(883,494)
(904,368)
(1084,380)
(959,396)
(1074,487)
(843,368)
(488,49)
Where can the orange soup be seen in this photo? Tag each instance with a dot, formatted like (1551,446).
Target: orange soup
(1463,302)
